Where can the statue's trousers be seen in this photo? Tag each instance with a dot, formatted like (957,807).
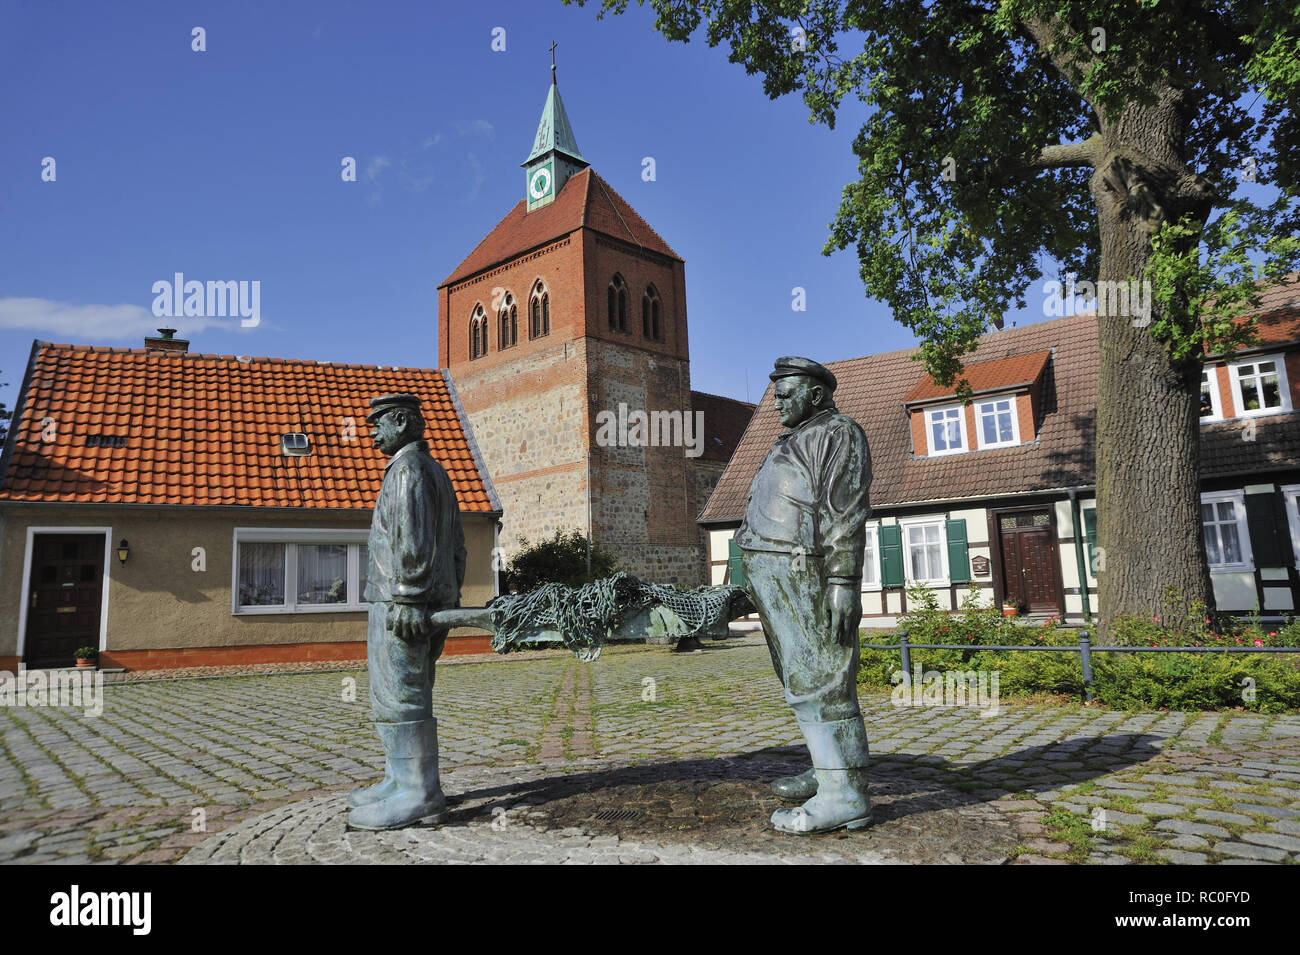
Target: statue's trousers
(819,673)
(401,671)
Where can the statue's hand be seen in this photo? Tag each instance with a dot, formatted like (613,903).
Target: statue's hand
(407,621)
(845,604)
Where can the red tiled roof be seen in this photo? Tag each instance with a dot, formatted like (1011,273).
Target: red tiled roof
(725,420)
(986,376)
(205,429)
(585,201)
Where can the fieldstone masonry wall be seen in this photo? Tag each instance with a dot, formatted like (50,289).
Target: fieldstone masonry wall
(529,420)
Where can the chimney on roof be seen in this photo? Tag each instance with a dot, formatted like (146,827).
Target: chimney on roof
(166,342)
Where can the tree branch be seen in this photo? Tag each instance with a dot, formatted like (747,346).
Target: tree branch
(1087,153)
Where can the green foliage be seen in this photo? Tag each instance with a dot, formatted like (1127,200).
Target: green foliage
(562,560)
(5,416)
(1267,683)
(1204,282)
(976,622)
(86,653)
(998,87)
(1203,681)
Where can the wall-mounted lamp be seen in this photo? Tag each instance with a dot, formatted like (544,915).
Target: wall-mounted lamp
(123,551)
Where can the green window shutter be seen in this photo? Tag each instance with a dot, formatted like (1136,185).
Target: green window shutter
(1090,536)
(1264,519)
(736,573)
(958,553)
(891,555)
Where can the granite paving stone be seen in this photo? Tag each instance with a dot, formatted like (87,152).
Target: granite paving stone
(269,755)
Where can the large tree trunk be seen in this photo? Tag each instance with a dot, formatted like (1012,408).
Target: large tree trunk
(1148,419)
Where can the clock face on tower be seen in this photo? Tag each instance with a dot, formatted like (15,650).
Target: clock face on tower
(540,182)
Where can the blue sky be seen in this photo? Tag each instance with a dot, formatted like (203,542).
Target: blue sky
(225,165)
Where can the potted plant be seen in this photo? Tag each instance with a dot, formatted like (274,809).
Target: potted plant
(87,657)
(1010,608)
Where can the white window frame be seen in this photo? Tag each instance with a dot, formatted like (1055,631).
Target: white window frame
(1238,500)
(904,525)
(1015,421)
(871,556)
(1215,401)
(1289,493)
(1083,536)
(289,536)
(929,429)
(1283,386)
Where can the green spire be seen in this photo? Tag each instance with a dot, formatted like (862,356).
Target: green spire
(554,131)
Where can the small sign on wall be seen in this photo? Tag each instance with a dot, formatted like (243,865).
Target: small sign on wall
(979,566)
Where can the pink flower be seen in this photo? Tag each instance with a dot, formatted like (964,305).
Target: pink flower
(1155,619)
(1259,643)
(1272,633)
(1207,619)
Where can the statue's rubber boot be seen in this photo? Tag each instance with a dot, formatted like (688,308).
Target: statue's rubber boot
(413,752)
(380,790)
(803,786)
(840,757)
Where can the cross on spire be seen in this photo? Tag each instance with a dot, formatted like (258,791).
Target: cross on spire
(553,46)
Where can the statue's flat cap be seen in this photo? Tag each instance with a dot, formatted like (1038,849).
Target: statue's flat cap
(786,367)
(389,402)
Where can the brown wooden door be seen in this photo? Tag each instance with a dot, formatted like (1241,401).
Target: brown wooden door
(1030,568)
(63,599)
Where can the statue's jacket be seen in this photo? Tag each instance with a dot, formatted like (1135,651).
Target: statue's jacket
(810,496)
(417,544)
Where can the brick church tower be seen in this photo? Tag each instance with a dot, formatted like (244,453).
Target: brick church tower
(563,327)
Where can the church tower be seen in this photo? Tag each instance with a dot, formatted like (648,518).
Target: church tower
(560,330)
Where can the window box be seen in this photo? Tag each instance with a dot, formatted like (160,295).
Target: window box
(1227,540)
(1259,386)
(1211,406)
(945,429)
(871,559)
(997,424)
(925,551)
(290,570)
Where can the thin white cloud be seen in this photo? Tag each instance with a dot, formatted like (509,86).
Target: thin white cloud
(375,167)
(476,127)
(480,175)
(91,324)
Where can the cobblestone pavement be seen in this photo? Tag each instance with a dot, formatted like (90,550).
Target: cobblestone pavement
(644,755)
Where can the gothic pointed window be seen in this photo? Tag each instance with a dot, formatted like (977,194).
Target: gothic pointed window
(651,326)
(508,322)
(617,304)
(539,311)
(478,332)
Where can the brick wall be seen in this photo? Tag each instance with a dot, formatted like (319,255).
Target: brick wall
(534,406)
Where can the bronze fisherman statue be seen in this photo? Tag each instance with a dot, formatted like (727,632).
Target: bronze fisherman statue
(417,566)
(802,542)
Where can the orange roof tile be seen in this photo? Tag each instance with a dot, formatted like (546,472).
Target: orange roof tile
(585,201)
(986,376)
(205,429)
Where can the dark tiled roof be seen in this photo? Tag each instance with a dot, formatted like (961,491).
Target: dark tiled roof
(724,422)
(986,376)
(585,201)
(205,429)
(872,391)
(1234,447)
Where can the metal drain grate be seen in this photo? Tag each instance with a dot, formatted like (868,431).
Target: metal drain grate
(617,815)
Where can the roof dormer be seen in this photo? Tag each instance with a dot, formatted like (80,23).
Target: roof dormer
(1002,410)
